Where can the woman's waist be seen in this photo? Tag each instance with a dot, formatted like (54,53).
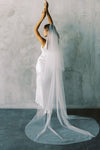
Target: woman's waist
(42,57)
(43,54)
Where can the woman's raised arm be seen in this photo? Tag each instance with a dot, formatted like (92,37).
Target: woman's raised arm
(37,34)
(46,5)
(49,17)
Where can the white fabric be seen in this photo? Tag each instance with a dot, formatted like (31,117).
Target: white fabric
(51,123)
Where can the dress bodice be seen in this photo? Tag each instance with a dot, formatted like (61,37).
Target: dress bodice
(44,49)
(42,56)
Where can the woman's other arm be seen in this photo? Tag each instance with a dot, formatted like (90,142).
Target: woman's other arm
(37,34)
(48,14)
(49,17)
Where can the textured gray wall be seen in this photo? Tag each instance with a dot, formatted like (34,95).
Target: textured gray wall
(78,23)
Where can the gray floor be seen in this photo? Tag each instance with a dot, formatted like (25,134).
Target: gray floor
(12,135)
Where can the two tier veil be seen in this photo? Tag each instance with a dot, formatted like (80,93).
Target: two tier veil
(51,124)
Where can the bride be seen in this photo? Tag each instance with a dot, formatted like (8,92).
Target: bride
(51,123)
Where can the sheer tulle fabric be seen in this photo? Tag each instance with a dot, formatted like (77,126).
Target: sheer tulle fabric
(51,123)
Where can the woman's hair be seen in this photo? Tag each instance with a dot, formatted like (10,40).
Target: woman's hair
(46,26)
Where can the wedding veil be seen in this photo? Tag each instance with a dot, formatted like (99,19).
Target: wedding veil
(51,124)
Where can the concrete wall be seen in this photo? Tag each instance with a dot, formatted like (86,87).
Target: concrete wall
(78,24)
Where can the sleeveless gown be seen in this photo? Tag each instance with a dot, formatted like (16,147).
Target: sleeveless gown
(39,71)
(49,129)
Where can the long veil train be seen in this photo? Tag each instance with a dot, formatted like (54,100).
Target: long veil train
(51,124)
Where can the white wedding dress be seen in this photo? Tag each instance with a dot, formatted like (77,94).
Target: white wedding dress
(51,124)
(39,70)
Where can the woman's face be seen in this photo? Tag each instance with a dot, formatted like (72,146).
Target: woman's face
(45,32)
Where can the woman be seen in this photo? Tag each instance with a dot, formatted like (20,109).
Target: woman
(51,124)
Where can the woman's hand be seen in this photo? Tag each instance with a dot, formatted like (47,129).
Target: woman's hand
(46,5)
(43,13)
